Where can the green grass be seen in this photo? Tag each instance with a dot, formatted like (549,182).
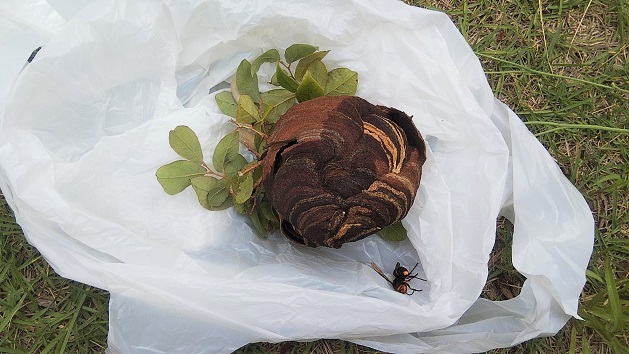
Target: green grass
(41,312)
(561,65)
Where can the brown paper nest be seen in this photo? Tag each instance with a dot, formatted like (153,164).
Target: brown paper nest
(338,169)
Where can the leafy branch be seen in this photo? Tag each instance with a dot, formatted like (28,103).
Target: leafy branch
(233,180)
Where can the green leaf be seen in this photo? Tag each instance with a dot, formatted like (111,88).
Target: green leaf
(175,176)
(308,89)
(284,80)
(304,64)
(246,111)
(319,72)
(270,56)
(585,346)
(341,81)
(241,208)
(186,143)
(202,186)
(247,83)
(226,150)
(274,80)
(233,166)
(226,103)
(245,188)
(275,97)
(266,210)
(259,144)
(573,341)
(394,232)
(219,197)
(298,51)
(245,208)
(258,225)
(276,102)
(229,202)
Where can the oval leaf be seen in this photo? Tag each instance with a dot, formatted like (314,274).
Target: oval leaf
(258,225)
(226,204)
(319,72)
(245,188)
(226,150)
(270,56)
(304,64)
(246,83)
(284,80)
(275,103)
(175,176)
(226,103)
(219,195)
(275,97)
(308,89)
(202,186)
(233,166)
(266,210)
(394,232)
(246,110)
(186,144)
(298,51)
(341,81)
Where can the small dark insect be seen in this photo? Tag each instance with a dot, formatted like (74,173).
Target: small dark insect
(401,278)
(33,54)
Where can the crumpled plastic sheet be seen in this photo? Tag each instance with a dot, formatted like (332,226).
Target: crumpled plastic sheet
(85,126)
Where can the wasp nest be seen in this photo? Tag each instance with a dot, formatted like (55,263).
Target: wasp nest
(338,169)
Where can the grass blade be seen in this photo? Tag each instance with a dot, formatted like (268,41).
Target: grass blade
(614,300)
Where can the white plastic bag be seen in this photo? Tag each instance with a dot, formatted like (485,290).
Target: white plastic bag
(85,127)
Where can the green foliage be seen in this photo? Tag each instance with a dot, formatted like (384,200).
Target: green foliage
(285,80)
(270,56)
(308,89)
(234,180)
(202,186)
(234,165)
(341,81)
(226,103)
(276,102)
(394,232)
(226,151)
(246,81)
(246,110)
(305,64)
(176,176)
(185,143)
(298,51)
(40,311)
(219,196)
(319,73)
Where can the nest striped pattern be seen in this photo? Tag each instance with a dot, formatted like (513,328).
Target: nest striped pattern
(338,169)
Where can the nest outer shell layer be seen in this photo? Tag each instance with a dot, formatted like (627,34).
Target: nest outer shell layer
(338,169)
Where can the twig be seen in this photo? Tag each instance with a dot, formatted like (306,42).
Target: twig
(249,127)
